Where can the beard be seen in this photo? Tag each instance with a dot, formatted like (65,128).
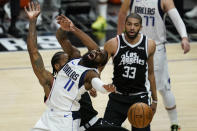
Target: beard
(132,37)
(88,62)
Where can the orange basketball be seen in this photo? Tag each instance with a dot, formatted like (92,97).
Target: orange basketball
(140,115)
(24,3)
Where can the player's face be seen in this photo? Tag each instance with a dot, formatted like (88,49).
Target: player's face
(94,58)
(132,27)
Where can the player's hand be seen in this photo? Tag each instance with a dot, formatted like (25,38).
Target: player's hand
(65,23)
(32,11)
(185,45)
(93,92)
(110,87)
(153,107)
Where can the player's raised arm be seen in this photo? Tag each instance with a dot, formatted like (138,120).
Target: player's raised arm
(44,76)
(122,16)
(66,45)
(67,25)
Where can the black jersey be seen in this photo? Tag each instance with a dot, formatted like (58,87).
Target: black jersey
(130,66)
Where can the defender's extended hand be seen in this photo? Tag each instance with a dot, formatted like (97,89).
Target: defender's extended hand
(33,10)
(65,23)
(93,92)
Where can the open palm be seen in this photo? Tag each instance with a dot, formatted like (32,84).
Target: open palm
(33,10)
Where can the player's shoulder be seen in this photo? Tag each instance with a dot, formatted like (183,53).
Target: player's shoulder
(111,44)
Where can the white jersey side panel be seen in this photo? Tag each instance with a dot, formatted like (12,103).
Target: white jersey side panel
(152,21)
(66,91)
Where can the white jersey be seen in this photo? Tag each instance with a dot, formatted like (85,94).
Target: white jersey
(68,87)
(152,18)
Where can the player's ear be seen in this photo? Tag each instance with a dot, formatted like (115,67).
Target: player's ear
(57,66)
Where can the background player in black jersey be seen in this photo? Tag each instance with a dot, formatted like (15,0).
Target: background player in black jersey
(132,54)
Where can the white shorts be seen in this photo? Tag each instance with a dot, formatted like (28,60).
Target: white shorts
(56,121)
(161,68)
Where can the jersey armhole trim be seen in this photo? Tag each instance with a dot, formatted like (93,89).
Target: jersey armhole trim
(146,46)
(118,40)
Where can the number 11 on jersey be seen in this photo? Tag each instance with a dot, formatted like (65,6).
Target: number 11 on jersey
(69,85)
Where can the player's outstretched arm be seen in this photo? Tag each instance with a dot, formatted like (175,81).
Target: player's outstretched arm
(66,45)
(44,76)
(122,16)
(151,76)
(67,25)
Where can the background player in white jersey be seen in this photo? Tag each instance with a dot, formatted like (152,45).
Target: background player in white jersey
(133,75)
(95,57)
(152,12)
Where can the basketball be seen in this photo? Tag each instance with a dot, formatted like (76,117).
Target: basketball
(140,115)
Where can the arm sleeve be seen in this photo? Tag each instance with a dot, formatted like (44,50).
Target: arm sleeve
(98,85)
(178,22)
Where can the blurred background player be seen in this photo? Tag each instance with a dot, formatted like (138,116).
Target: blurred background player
(101,21)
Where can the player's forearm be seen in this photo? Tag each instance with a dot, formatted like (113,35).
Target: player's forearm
(61,34)
(32,37)
(121,19)
(178,22)
(86,40)
(35,57)
(153,86)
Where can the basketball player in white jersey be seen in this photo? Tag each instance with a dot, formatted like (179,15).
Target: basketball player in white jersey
(61,116)
(153,13)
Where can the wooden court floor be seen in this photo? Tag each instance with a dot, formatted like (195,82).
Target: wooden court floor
(21,96)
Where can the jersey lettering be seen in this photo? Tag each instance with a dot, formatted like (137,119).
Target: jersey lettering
(131,58)
(71,73)
(144,10)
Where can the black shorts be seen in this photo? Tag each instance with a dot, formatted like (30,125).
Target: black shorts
(118,105)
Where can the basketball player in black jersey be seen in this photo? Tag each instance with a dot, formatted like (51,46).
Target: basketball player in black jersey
(132,54)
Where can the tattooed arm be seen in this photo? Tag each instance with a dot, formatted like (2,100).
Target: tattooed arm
(66,45)
(45,77)
(67,25)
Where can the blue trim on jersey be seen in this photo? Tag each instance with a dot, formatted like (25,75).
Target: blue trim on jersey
(160,10)
(81,81)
